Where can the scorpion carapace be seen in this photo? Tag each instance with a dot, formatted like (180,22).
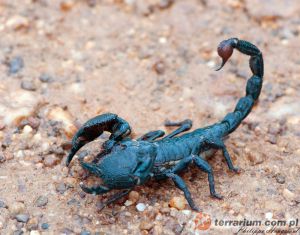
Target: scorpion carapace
(124,163)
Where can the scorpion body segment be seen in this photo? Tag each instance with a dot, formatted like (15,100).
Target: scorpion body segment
(125,163)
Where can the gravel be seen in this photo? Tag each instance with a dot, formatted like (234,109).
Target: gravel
(16,208)
(280,179)
(41,201)
(28,85)
(16,65)
(141,207)
(2,204)
(45,226)
(45,78)
(2,157)
(22,218)
(61,188)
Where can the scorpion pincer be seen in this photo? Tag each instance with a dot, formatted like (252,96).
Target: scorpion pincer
(124,163)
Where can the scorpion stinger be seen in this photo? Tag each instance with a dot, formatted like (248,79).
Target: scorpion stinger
(128,163)
(94,127)
(225,50)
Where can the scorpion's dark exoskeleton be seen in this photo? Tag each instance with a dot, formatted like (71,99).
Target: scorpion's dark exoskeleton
(125,163)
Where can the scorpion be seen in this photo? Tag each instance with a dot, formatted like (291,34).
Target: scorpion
(125,163)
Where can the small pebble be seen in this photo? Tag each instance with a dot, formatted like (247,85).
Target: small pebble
(67,5)
(146,225)
(45,226)
(67,231)
(128,203)
(34,232)
(255,157)
(288,195)
(178,203)
(91,3)
(85,232)
(16,65)
(164,4)
(2,157)
(22,218)
(269,215)
(28,85)
(2,125)
(272,139)
(45,78)
(16,208)
(41,201)
(134,196)
(61,188)
(27,130)
(51,160)
(17,22)
(159,67)
(33,122)
(2,204)
(18,232)
(280,179)
(61,115)
(141,207)
(33,224)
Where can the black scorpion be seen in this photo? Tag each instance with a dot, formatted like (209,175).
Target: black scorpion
(125,163)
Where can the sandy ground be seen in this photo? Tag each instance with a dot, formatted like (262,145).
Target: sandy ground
(63,62)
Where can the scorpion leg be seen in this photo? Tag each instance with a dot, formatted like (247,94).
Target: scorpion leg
(94,127)
(114,198)
(182,186)
(96,190)
(183,126)
(220,145)
(204,166)
(229,161)
(152,135)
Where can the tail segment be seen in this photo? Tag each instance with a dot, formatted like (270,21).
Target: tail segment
(254,84)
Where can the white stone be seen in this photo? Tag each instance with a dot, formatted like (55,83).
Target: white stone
(27,129)
(141,207)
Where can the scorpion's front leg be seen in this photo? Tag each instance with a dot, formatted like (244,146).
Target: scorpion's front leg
(183,126)
(94,127)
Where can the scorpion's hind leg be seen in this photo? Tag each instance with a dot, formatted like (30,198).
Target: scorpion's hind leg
(228,160)
(94,127)
(152,135)
(219,144)
(204,166)
(183,126)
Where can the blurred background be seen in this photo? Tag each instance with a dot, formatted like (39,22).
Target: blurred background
(65,61)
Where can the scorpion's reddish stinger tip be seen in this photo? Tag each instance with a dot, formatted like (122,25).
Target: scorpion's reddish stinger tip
(225,50)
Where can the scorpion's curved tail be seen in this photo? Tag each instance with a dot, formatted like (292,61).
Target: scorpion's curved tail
(254,84)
